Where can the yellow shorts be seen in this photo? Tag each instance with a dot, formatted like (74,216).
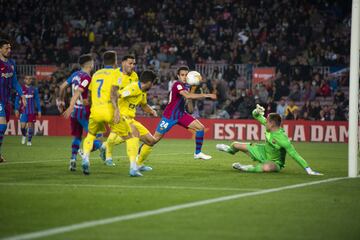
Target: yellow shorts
(141,128)
(99,118)
(122,128)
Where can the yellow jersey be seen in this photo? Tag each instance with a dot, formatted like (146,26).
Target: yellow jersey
(101,84)
(131,96)
(127,79)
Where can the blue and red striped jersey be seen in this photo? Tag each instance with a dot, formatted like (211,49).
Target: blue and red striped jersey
(80,79)
(8,80)
(31,94)
(176,106)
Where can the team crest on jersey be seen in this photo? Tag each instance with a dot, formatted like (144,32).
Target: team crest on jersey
(85,83)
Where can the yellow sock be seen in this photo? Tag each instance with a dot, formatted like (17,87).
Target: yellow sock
(144,153)
(110,142)
(132,146)
(88,143)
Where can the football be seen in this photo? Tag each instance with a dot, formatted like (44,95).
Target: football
(193,78)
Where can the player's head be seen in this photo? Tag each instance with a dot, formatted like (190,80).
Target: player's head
(128,64)
(28,80)
(182,73)
(273,121)
(147,78)
(5,48)
(110,58)
(86,61)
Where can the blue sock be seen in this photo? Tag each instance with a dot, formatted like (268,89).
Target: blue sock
(97,145)
(30,134)
(75,147)
(199,141)
(2,133)
(23,132)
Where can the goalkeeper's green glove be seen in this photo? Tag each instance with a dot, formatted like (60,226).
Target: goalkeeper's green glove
(260,110)
(312,172)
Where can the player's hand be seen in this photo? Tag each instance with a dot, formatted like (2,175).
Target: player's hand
(117,116)
(312,172)
(60,105)
(154,113)
(67,112)
(39,114)
(23,99)
(260,110)
(211,96)
(17,114)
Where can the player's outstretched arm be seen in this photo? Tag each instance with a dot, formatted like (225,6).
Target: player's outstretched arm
(75,97)
(258,114)
(189,95)
(60,103)
(290,149)
(146,108)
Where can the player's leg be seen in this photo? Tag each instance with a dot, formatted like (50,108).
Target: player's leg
(145,149)
(85,126)
(3,126)
(23,122)
(233,148)
(257,153)
(76,132)
(30,125)
(189,122)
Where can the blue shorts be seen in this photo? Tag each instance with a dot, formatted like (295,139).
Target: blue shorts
(166,124)
(5,110)
(78,125)
(25,118)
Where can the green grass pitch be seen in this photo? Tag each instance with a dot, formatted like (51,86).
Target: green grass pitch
(37,193)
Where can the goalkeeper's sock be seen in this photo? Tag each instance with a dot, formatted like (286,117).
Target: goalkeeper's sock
(88,143)
(75,145)
(253,169)
(132,146)
(232,148)
(199,141)
(144,152)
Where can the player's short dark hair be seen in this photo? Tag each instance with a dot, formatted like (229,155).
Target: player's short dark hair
(182,68)
(276,118)
(148,76)
(84,59)
(109,58)
(3,42)
(128,56)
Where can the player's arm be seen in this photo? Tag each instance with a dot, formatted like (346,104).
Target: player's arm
(258,114)
(75,97)
(146,108)
(16,85)
(37,101)
(114,96)
(190,103)
(60,102)
(17,105)
(290,149)
(190,96)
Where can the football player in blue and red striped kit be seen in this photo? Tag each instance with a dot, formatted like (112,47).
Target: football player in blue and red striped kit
(8,82)
(79,109)
(28,113)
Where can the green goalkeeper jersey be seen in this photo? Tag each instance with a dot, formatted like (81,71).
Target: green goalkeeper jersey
(277,144)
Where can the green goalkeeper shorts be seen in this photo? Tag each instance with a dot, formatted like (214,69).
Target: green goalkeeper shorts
(257,153)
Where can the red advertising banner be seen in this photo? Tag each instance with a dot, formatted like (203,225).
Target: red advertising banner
(263,74)
(44,72)
(218,129)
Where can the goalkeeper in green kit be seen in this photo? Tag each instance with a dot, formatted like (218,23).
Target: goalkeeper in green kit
(271,155)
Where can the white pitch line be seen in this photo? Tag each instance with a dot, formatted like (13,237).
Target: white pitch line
(121,218)
(128,186)
(65,159)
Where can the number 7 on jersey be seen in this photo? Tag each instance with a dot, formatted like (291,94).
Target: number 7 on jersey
(101,82)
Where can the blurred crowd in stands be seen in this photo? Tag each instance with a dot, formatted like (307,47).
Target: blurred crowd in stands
(291,35)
